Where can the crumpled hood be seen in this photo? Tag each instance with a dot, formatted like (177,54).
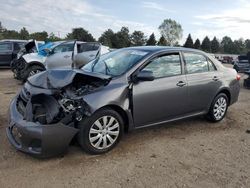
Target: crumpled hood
(56,79)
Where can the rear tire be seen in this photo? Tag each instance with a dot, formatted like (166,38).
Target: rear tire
(100,132)
(218,108)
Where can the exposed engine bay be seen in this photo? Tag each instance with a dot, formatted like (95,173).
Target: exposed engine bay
(65,104)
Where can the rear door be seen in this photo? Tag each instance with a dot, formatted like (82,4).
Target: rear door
(6,52)
(61,56)
(203,81)
(163,98)
(86,52)
(90,49)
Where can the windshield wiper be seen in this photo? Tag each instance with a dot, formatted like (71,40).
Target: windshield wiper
(94,63)
(106,68)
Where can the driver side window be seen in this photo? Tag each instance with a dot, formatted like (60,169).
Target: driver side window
(165,66)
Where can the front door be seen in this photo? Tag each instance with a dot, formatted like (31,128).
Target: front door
(61,56)
(163,98)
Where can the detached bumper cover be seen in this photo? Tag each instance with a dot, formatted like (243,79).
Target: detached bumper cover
(36,139)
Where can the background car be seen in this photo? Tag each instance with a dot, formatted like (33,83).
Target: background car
(9,50)
(126,89)
(31,58)
(61,54)
(74,54)
(243,64)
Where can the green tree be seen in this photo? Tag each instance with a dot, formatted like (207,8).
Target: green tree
(197,44)
(206,44)
(1,27)
(10,34)
(239,47)
(24,34)
(177,44)
(162,41)
(215,45)
(80,34)
(171,31)
(41,36)
(1,31)
(151,41)
(138,38)
(52,37)
(227,45)
(107,38)
(247,44)
(189,42)
(121,38)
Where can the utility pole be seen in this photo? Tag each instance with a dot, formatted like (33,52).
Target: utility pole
(1,27)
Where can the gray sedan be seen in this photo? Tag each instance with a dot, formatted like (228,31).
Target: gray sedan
(126,89)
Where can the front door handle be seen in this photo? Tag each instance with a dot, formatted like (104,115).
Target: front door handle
(66,56)
(215,78)
(181,84)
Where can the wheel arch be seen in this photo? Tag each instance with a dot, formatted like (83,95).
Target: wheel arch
(226,91)
(122,113)
(37,63)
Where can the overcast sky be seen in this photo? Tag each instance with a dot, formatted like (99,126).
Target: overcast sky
(198,17)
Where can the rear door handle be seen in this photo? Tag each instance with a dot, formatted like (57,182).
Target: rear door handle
(181,84)
(215,78)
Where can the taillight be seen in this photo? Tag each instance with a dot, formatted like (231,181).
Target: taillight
(238,77)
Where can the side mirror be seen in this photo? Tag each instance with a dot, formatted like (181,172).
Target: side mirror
(145,76)
(47,50)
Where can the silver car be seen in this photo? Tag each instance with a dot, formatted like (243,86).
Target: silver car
(74,54)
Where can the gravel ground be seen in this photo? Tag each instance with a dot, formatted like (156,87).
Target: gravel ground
(188,153)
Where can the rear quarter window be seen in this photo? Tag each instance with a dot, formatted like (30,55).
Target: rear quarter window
(211,66)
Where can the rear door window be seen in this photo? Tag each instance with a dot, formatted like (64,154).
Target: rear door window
(5,47)
(195,63)
(86,47)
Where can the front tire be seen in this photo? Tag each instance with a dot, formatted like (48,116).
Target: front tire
(100,132)
(218,108)
(34,69)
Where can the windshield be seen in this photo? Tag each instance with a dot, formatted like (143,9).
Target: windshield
(115,63)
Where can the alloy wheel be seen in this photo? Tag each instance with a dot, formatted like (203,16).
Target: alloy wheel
(220,108)
(104,132)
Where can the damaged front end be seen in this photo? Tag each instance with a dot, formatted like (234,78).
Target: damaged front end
(43,117)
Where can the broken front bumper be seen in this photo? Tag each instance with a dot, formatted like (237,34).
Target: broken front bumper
(36,139)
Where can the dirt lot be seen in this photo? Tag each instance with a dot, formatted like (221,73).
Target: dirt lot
(189,153)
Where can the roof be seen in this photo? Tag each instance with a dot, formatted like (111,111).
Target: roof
(13,40)
(161,48)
